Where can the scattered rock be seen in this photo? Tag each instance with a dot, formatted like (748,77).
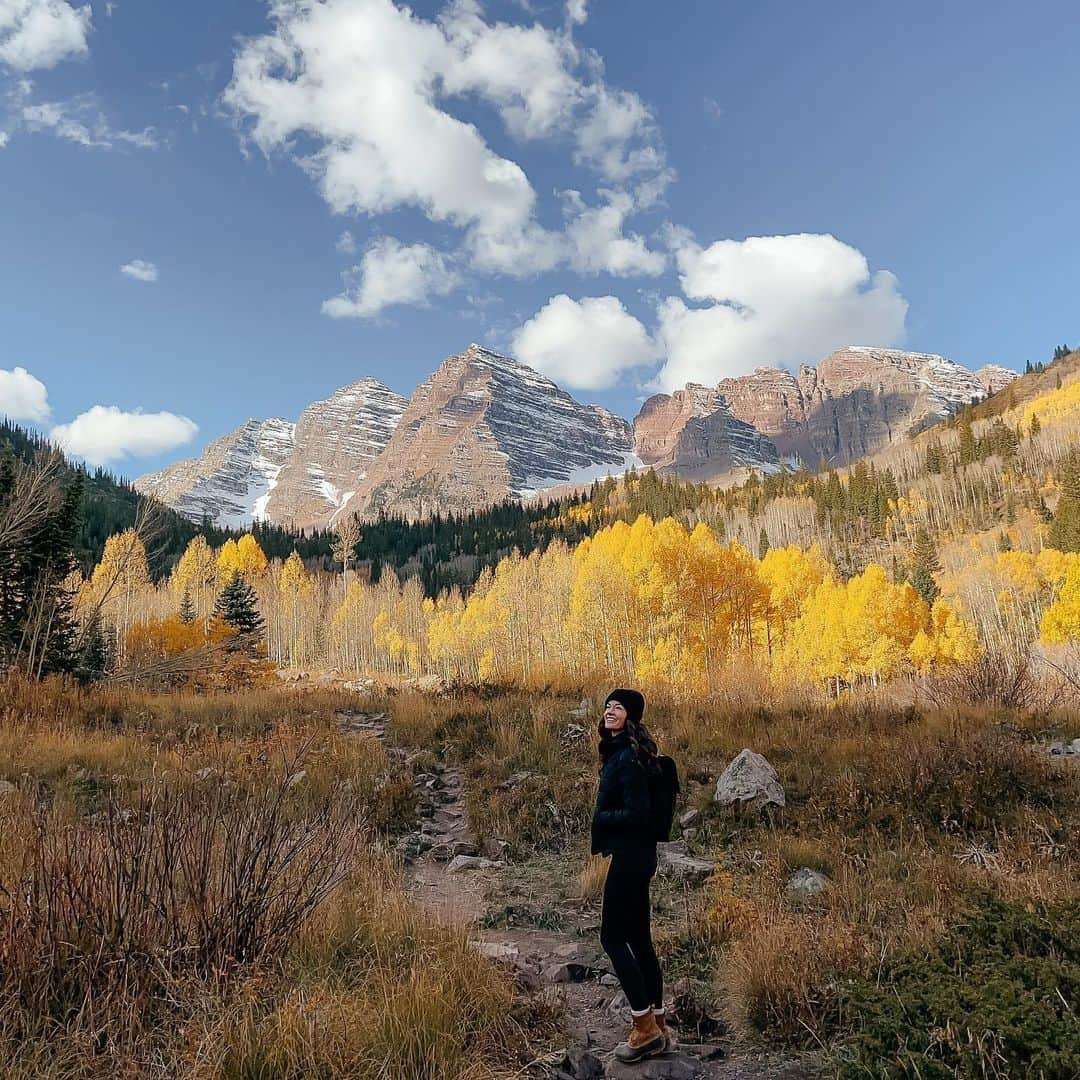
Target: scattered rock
(677,1066)
(566,972)
(582,1065)
(425,684)
(673,860)
(7,788)
(703,1051)
(690,834)
(494,849)
(582,709)
(750,783)
(607,979)
(495,950)
(461,863)
(297,778)
(805,884)
(209,773)
(689,818)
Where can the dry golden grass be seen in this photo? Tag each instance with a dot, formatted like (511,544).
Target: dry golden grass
(593,877)
(130,947)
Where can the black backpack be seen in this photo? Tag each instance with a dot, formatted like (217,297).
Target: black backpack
(663,791)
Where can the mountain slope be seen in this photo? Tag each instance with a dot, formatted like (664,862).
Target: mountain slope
(335,442)
(855,402)
(230,484)
(484,427)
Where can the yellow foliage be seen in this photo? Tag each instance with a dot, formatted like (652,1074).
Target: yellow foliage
(160,638)
(1055,405)
(1061,621)
(243,557)
(862,629)
(948,639)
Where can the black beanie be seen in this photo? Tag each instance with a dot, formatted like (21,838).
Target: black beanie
(632,701)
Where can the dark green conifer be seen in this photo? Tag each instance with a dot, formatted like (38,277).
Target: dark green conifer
(236,606)
(925,564)
(187,608)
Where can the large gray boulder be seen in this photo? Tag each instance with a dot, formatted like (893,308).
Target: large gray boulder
(749,783)
(805,884)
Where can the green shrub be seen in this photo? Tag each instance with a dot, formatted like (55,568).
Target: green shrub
(997,997)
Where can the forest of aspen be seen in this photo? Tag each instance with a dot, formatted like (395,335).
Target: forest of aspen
(211,753)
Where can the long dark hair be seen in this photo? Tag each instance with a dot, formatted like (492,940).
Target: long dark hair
(642,743)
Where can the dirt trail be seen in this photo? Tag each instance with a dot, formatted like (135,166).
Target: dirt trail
(453,877)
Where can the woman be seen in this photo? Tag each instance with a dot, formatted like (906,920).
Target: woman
(621,828)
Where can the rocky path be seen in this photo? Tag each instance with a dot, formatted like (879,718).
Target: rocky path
(453,876)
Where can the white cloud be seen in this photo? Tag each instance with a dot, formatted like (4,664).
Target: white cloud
(105,434)
(577,11)
(80,120)
(597,243)
(4,137)
(584,344)
(772,301)
(40,33)
(393,273)
(359,92)
(140,270)
(346,243)
(22,397)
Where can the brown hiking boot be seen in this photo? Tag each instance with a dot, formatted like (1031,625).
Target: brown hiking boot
(670,1042)
(645,1039)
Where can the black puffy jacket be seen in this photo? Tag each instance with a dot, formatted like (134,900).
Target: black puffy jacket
(621,819)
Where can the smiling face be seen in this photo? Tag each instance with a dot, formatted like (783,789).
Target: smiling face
(614,717)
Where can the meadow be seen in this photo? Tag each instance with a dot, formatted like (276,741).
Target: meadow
(208,885)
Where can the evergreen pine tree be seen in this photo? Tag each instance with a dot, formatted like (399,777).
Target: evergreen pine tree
(187,608)
(236,606)
(924,565)
(763,543)
(1035,426)
(1065,529)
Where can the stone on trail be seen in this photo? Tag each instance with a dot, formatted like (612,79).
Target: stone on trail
(582,1065)
(676,1066)
(460,863)
(673,860)
(567,972)
(689,818)
(495,950)
(750,783)
(805,884)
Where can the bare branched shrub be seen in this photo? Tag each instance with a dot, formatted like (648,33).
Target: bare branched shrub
(201,880)
(1002,676)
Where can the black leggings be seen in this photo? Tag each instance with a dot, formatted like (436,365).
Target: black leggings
(625,933)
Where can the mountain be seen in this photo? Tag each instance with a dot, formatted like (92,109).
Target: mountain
(694,433)
(230,484)
(484,427)
(856,401)
(335,442)
(481,429)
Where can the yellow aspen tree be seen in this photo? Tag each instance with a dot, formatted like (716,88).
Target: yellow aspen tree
(947,639)
(294,588)
(196,575)
(1061,621)
(120,583)
(250,562)
(228,562)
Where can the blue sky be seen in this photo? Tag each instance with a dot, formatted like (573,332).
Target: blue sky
(908,172)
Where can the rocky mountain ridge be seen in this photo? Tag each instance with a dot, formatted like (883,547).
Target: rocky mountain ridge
(855,402)
(484,427)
